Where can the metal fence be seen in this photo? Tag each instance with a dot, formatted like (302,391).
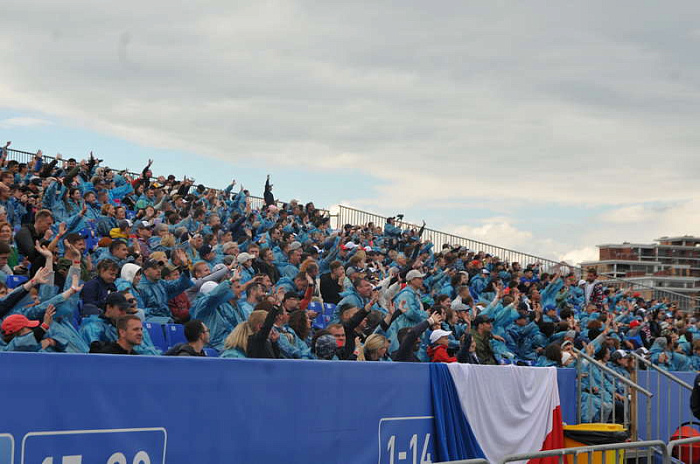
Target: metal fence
(347,215)
(614,452)
(672,388)
(26,157)
(598,407)
(650,451)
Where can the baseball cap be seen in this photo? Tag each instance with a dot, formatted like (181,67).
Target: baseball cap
(461,307)
(326,346)
(15,323)
(634,323)
(117,299)
(204,250)
(294,246)
(485,271)
(143,225)
(414,274)
(481,319)
(207,287)
(349,246)
(565,356)
(152,263)
(243,257)
(438,334)
(581,282)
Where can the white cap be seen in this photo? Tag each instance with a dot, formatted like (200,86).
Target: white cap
(438,334)
(350,245)
(414,274)
(565,356)
(243,257)
(294,246)
(207,287)
(582,282)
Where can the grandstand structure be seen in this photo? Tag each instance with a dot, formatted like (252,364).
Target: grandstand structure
(214,410)
(341,215)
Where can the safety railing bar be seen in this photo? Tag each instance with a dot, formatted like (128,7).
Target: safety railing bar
(666,374)
(683,441)
(465,461)
(619,377)
(585,449)
(427,231)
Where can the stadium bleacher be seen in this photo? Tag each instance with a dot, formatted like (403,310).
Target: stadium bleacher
(223,261)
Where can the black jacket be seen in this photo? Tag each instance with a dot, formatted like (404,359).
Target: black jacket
(268,196)
(108,348)
(405,353)
(330,290)
(25,240)
(695,398)
(259,346)
(184,349)
(348,351)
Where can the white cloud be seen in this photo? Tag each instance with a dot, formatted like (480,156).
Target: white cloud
(532,106)
(624,215)
(11,123)
(475,104)
(496,230)
(575,257)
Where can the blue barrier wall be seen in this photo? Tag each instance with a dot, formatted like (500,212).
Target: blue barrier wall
(670,405)
(77,409)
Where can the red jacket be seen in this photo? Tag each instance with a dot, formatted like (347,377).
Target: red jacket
(438,353)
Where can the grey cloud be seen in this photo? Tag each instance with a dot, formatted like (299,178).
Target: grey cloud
(570,98)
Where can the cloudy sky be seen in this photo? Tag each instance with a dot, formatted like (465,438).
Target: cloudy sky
(548,127)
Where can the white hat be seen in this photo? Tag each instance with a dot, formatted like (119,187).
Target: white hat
(485,271)
(438,334)
(582,282)
(294,246)
(414,274)
(243,257)
(565,356)
(350,246)
(207,287)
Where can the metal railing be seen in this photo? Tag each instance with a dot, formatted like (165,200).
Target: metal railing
(683,399)
(347,215)
(606,453)
(587,454)
(27,157)
(465,461)
(598,387)
(684,455)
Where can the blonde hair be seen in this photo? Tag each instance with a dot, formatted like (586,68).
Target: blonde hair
(238,338)
(168,240)
(374,343)
(305,265)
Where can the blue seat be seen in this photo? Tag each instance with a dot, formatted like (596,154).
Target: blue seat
(14,281)
(325,314)
(211,353)
(316,306)
(329,309)
(174,334)
(157,335)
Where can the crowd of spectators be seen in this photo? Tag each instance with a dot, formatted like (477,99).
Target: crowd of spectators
(104,251)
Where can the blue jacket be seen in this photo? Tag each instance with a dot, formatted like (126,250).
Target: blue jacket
(207,308)
(157,294)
